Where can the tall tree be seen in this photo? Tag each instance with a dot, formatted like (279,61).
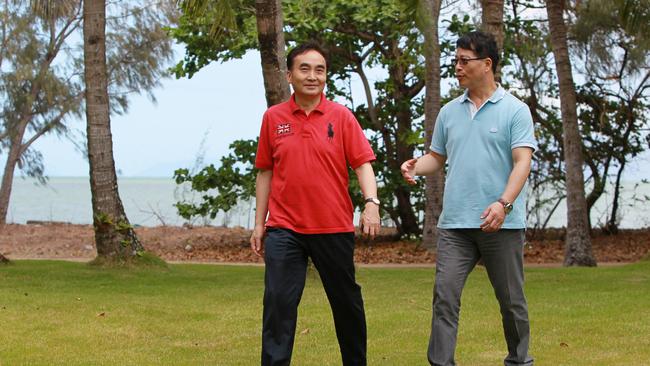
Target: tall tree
(37,98)
(270,35)
(578,240)
(429,13)
(612,43)
(41,86)
(492,22)
(360,35)
(114,236)
(219,23)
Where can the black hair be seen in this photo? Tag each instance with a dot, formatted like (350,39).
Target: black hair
(304,47)
(483,44)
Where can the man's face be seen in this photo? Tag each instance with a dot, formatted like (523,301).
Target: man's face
(308,74)
(470,72)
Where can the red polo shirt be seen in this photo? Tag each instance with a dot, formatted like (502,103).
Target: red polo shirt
(309,156)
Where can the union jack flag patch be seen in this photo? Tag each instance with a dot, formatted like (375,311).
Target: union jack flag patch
(283,129)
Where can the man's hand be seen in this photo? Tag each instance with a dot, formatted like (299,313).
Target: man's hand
(493,217)
(369,221)
(257,240)
(408,171)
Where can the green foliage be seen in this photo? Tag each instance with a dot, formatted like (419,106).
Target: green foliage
(123,226)
(612,102)
(380,39)
(203,44)
(607,25)
(362,37)
(233,181)
(103,218)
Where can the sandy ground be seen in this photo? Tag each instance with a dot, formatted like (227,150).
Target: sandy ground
(215,244)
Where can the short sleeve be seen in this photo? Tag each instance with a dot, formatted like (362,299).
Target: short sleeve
(264,156)
(356,145)
(439,138)
(522,132)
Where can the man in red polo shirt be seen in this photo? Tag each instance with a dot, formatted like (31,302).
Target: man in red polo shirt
(305,147)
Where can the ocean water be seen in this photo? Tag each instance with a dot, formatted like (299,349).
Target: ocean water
(147,202)
(150,202)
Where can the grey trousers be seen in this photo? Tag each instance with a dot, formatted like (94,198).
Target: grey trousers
(502,254)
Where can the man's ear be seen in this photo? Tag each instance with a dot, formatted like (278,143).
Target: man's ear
(489,63)
(288,77)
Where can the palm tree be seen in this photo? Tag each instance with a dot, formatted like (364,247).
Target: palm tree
(578,241)
(270,35)
(492,22)
(115,238)
(271,38)
(428,15)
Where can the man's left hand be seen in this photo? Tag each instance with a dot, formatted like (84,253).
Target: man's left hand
(369,221)
(493,217)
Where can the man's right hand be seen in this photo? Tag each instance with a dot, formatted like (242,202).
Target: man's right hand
(257,240)
(408,171)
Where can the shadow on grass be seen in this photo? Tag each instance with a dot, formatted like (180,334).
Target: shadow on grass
(144,260)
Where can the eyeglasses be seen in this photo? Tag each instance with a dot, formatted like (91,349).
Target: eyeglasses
(464,61)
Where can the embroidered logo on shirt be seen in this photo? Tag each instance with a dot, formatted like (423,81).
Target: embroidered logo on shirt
(330,131)
(283,129)
(493,130)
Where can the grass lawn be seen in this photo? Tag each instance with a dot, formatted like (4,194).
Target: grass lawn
(59,313)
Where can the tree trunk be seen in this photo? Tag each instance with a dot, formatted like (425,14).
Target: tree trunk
(271,38)
(434,184)
(115,239)
(8,177)
(578,241)
(3,259)
(612,223)
(492,22)
(404,151)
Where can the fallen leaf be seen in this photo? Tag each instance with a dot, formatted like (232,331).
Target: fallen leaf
(305,331)
(101,314)
(564,345)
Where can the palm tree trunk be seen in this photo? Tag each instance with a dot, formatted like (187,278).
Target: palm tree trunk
(115,239)
(578,241)
(492,22)
(271,38)
(434,184)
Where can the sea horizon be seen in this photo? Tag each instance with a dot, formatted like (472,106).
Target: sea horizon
(149,201)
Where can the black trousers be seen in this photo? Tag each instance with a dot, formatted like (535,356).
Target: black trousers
(285,256)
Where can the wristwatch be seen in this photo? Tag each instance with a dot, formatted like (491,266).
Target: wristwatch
(507,206)
(373,200)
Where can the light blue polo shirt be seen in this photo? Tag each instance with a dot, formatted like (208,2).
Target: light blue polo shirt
(479,157)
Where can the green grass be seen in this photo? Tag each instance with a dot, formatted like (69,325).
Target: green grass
(50,314)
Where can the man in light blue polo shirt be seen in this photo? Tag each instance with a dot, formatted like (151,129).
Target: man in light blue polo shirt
(486,137)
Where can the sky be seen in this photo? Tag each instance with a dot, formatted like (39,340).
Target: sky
(224,101)
(221,103)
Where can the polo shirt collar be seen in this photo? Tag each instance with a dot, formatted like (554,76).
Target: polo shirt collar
(495,97)
(498,94)
(320,107)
